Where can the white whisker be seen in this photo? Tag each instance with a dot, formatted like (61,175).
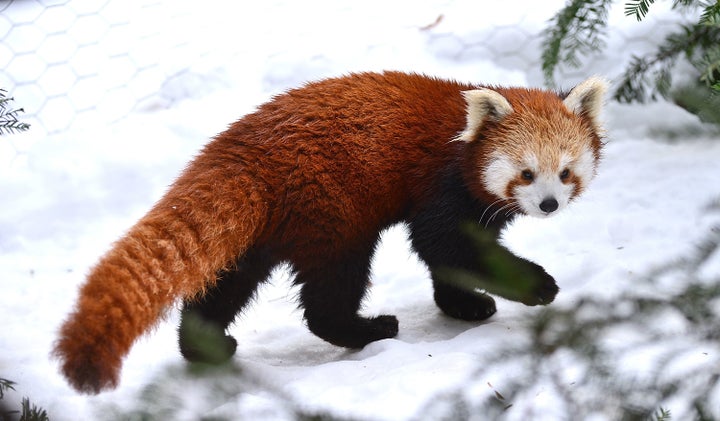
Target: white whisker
(488,208)
(507,206)
(512,210)
(492,217)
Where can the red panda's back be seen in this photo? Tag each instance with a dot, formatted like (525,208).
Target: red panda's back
(342,158)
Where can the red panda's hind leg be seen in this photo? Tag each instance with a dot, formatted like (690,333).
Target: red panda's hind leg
(331,296)
(204,319)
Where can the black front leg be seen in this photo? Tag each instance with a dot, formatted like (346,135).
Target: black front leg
(500,272)
(466,262)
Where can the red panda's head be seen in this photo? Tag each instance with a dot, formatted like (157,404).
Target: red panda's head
(534,150)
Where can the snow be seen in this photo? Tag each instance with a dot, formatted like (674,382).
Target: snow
(69,195)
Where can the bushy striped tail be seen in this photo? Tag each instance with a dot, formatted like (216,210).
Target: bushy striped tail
(200,227)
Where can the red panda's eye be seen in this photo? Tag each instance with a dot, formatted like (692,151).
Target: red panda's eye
(565,174)
(527,175)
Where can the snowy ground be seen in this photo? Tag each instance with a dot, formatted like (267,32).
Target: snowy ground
(70,195)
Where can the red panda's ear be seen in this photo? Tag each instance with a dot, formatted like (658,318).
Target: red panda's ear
(587,98)
(483,104)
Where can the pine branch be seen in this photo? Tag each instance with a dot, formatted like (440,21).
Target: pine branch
(6,385)
(32,412)
(647,77)
(634,82)
(28,411)
(711,14)
(683,3)
(576,30)
(601,385)
(711,65)
(662,415)
(639,8)
(9,127)
(9,121)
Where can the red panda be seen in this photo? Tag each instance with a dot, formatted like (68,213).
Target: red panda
(311,179)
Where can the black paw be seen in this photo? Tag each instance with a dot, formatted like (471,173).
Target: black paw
(383,327)
(202,341)
(464,305)
(216,351)
(356,332)
(543,291)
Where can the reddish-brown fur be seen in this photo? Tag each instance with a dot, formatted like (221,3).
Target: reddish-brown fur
(328,164)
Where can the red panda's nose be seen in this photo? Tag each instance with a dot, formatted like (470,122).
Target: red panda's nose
(549,205)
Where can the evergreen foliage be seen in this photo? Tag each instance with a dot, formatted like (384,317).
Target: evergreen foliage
(9,122)
(623,357)
(576,30)
(639,8)
(28,412)
(5,385)
(32,413)
(662,415)
(579,28)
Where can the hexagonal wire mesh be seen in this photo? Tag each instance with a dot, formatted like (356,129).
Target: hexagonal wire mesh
(82,62)
(65,60)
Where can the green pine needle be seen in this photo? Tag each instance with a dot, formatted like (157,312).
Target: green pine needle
(9,121)
(576,30)
(6,385)
(638,8)
(32,412)
(662,414)
(579,28)
(711,15)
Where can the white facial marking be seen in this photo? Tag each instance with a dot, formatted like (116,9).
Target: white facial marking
(548,194)
(498,174)
(544,187)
